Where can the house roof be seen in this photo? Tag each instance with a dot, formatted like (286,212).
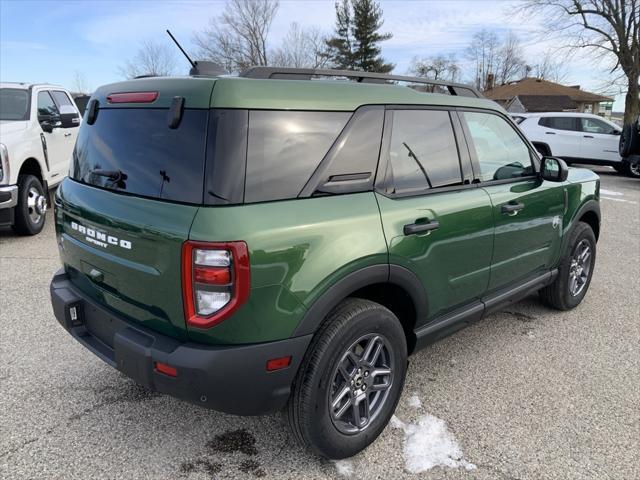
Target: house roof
(546,103)
(537,86)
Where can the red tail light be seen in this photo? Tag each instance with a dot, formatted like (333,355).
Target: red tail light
(215,281)
(132,97)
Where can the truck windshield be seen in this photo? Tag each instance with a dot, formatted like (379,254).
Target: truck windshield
(14,104)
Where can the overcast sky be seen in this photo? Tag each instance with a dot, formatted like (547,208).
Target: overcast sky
(51,40)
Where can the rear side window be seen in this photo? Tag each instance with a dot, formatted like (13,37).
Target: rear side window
(134,151)
(501,153)
(285,148)
(423,152)
(558,123)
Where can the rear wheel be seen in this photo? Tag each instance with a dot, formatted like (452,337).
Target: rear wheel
(32,206)
(350,381)
(631,166)
(575,270)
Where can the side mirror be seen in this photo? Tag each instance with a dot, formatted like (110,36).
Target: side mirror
(69,117)
(46,126)
(553,169)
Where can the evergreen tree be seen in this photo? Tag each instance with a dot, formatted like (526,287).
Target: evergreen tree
(340,47)
(355,45)
(367,21)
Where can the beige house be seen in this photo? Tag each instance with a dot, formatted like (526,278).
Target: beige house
(537,95)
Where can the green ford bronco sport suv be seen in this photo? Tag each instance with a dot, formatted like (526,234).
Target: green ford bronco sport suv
(278,240)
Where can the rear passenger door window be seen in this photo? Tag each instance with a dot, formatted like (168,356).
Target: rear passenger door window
(501,153)
(285,148)
(559,123)
(422,152)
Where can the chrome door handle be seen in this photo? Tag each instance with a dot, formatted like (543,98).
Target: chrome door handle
(512,208)
(413,228)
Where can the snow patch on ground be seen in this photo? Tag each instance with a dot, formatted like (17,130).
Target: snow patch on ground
(414,401)
(344,467)
(429,443)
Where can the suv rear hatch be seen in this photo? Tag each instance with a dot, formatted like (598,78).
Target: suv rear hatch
(136,182)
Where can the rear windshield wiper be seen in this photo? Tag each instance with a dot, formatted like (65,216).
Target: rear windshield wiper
(116,176)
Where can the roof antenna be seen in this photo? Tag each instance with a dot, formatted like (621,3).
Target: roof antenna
(193,64)
(200,67)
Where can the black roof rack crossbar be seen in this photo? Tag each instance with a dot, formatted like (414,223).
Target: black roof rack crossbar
(364,77)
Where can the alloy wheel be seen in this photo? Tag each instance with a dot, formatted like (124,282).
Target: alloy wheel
(580,267)
(361,382)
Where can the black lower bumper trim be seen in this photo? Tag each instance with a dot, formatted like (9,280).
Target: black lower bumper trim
(229,379)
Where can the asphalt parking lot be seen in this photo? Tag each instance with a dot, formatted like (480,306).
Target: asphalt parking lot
(527,393)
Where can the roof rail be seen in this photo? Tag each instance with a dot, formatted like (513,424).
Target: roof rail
(363,77)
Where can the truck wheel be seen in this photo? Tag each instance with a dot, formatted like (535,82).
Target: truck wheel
(631,166)
(575,271)
(350,380)
(32,206)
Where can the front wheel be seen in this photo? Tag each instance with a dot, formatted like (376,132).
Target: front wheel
(350,381)
(575,270)
(32,206)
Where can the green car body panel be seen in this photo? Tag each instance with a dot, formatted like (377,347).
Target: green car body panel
(123,252)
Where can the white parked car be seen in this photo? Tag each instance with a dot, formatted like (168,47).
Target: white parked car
(574,137)
(38,130)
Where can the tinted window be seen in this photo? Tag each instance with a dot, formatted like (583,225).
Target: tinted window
(423,152)
(134,151)
(61,98)
(14,104)
(558,123)
(593,125)
(46,106)
(352,162)
(284,150)
(226,156)
(501,153)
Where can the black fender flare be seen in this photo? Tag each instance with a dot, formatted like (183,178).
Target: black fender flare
(373,274)
(588,206)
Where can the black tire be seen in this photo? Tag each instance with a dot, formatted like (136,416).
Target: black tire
(631,166)
(24,223)
(309,411)
(558,295)
(629,140)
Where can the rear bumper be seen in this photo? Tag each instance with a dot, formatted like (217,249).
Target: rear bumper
(229,379)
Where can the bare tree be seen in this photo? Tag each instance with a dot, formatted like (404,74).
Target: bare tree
(438,67)
(510,60)
(550,67)
(80,84)
(483,52)
(608,27)
(153,59)
(237,39)
(301,48)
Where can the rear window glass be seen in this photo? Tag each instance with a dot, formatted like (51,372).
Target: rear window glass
(134,151)
(285,148)
(14,104)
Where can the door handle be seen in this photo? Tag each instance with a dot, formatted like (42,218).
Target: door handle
(550,133)
(67,134)
(512,208)
(413,228)
(588,136)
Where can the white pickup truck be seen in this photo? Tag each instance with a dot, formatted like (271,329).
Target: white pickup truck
(38,130)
